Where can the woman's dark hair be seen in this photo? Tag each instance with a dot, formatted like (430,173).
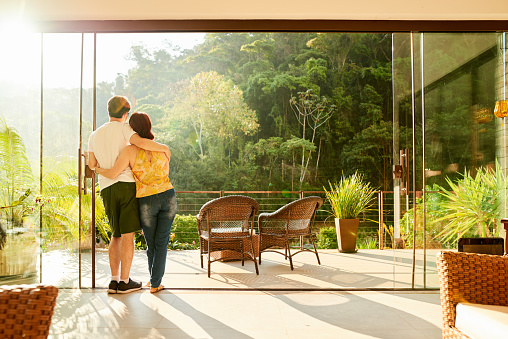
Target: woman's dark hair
(141,124)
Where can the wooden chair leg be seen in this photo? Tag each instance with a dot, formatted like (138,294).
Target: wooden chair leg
(243,251)
(209,259)
(315,249)
(288,251)
(256,264)
(201,251)
(260,249)
(254,255)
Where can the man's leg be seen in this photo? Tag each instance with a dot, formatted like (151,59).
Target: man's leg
(115,243)
(128,225)
(126,255)
(126,284)
(114,255)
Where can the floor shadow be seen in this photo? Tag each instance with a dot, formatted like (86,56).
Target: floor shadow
(361,315)
(134,315)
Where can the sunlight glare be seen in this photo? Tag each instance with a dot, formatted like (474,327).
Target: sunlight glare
(20,64)
(15,27)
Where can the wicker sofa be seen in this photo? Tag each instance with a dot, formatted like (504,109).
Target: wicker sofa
(477,282)
(26,311)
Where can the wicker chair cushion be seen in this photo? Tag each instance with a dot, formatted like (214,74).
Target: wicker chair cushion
(482,321)
(278,226)
(473,278)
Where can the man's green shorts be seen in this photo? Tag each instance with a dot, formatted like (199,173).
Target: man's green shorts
(121,207)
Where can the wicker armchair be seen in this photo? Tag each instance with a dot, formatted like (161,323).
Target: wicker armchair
(224,230)
(471,277)
(294,220)
(26,311)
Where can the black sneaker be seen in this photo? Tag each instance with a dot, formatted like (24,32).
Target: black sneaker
(129,287)
(113,287)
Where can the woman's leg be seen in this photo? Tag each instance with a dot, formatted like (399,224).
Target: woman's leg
(148,210)
(165,219)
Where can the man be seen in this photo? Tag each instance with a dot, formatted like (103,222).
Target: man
(119,194)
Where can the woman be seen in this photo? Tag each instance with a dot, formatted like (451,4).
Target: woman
(157,199)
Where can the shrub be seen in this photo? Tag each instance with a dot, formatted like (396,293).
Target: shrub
(327,238)
(184,233)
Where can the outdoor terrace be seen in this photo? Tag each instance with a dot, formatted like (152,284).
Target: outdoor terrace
(374,293)
(347,296)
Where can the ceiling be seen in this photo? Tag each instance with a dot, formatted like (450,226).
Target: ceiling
(261,9)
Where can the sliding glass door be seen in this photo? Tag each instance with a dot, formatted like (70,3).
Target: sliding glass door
(414,113)
(446,86)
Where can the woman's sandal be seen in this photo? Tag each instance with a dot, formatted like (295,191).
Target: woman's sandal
(156,289)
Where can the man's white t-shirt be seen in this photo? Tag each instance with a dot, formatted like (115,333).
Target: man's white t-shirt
(106,143)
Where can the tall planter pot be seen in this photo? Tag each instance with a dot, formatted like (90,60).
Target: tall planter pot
(347,231)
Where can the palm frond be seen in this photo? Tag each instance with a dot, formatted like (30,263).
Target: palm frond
(472,205)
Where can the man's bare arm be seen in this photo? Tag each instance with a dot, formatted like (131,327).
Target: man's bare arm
(92,161)
(121,163)
(150,145)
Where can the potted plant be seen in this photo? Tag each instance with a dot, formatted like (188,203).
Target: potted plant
(350,197)
(472,207)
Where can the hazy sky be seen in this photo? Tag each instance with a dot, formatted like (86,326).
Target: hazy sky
(20,59)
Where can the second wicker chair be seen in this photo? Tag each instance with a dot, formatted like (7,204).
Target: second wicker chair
(294,220)
(225,226)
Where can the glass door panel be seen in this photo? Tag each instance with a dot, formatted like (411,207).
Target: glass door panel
(86,182)
(20,106)
(406,149)
(462,138)
(60,135)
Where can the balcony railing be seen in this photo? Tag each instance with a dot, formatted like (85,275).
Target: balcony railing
(373,223)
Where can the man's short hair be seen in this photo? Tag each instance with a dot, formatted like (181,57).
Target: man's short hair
(118,106)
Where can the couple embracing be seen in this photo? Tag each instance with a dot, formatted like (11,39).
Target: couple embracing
(136,192)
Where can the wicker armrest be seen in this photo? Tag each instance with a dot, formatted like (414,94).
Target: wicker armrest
(264,216)
(26,311)
(470,277)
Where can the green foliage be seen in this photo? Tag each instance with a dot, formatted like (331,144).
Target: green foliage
(425,234)
(311,111)
(350,197)
(59,204)
(327,238)
(15,170)
(472,207)
(371,150)
(349,71)
(369,243)
(185,231)
(210,111)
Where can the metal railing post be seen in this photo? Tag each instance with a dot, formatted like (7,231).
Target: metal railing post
(381,222)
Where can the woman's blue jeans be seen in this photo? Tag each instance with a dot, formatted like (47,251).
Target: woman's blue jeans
(156,214)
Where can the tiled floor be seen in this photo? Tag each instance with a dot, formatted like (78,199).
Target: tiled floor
(366,269)
(331,300)
(243,314)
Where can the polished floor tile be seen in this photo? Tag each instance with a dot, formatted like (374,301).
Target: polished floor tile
(246,314)
(366,269)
